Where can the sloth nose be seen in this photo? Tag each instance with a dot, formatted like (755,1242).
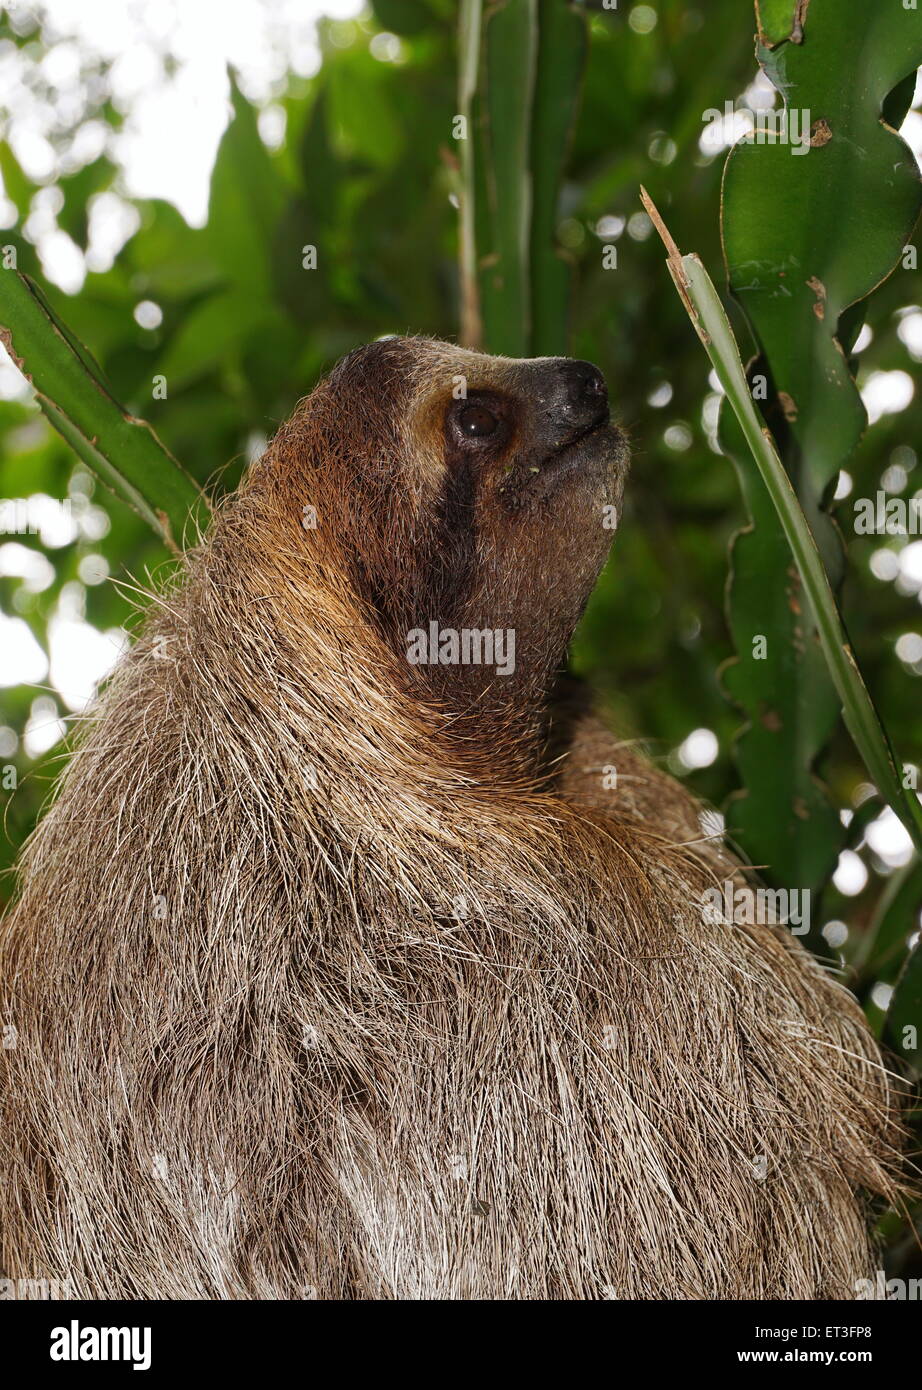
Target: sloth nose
(585,385)
(576,396)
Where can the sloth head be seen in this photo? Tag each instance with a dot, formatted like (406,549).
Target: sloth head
(468,500)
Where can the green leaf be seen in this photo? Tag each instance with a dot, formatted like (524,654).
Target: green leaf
(17,187)
(78,189)
(807,234)
(406,17)
(69,386)
(903,1028)
(246,200)
(779,20)
(370,127)
(884,942)
(562,49)
(782,818)
(167,258)
(207,334)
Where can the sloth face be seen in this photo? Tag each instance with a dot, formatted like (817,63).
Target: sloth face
(539,426)
(472,493)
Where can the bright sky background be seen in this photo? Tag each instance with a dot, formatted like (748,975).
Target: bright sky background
(172,126)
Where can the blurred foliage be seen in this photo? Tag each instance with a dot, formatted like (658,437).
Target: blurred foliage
(367,174)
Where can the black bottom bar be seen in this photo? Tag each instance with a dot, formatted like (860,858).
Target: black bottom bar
(68,1340)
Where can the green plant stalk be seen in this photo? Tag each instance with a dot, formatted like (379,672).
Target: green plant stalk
(122,451)
(508,80)
(710,321)
(470,22)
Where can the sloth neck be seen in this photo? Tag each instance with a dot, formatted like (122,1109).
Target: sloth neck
(496,718)
(492,666)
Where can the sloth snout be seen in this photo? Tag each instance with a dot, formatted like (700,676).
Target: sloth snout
(585,385)
(575,397)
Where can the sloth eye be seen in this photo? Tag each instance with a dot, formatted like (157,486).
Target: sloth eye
(476,421)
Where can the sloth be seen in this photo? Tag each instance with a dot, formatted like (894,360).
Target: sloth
(357,959)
